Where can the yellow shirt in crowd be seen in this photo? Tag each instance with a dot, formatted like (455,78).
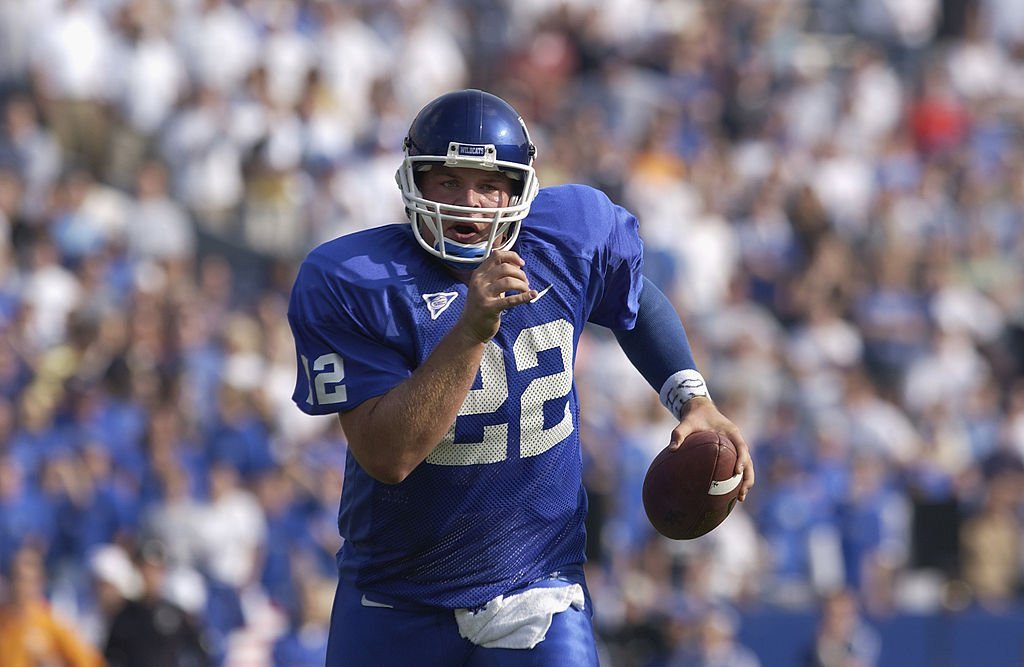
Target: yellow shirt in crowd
(32,637)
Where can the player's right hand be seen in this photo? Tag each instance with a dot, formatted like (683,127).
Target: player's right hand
(499,283)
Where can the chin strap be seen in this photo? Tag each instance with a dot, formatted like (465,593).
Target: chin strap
(464,250)
(471,252)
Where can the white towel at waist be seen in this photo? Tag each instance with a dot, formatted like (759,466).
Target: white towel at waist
(518,621)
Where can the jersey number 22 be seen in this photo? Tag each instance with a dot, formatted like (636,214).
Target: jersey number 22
(328,386)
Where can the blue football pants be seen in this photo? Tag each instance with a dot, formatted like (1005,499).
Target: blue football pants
(378,636)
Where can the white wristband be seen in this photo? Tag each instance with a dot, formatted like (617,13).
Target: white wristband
(680,387)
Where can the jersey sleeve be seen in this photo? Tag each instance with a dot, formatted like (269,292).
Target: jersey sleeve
(344,353)
(617,268)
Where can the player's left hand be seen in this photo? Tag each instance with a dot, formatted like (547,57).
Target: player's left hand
(701,414)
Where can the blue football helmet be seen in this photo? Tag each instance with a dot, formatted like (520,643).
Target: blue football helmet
(467,128)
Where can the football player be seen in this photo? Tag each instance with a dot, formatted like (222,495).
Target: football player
(446,347)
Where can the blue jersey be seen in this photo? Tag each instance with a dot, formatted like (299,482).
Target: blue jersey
(500,500)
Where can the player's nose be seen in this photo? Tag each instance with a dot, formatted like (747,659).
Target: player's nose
(473,198)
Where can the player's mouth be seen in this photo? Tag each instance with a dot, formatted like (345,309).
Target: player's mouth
(466,233)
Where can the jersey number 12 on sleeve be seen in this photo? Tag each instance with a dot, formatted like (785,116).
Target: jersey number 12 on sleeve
(326,380)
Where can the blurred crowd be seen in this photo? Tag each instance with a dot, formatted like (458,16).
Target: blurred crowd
(831,192)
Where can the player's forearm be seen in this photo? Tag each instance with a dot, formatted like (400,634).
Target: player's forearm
(392,434)
(658,345)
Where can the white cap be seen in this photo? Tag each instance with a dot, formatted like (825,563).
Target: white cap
(111,564)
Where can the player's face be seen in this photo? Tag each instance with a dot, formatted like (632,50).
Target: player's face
(472,188)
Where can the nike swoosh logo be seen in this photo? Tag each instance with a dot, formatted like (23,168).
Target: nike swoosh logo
(725,486)
(367,602)
(540,294)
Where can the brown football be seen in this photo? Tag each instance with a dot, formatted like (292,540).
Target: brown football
(688,492)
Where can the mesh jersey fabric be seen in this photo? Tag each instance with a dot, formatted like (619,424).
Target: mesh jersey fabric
(500,501)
